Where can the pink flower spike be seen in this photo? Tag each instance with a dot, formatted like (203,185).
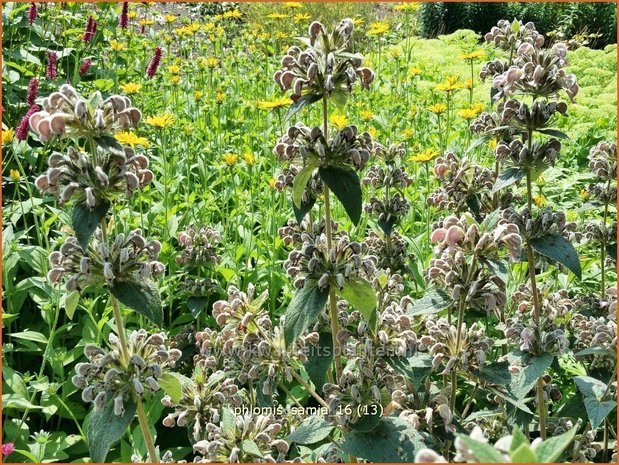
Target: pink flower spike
(7,449)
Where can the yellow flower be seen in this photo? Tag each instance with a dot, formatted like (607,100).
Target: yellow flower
(162,120)
(584,194)
(235,14)
(7,136)
(174,69)
(272,183)
(132,14)
(230,159)
(146,22)
(117,46)
(281,35)
(219,97)
(339,121)
(131,139)
(264,36)
(413,111)
(198,94)
(428,155)
(540,200)
(468,84)
(208,27)
(14,175)
(273,104)
(467,113)
(168,39)
(408,132)
(300,17)
(276,16)
(372,132)
(131,88)
(478,108)
(378,28)
(473,55)
(169,18)
(175,80)
(493,143)
(395,52)
(367,115)
(450,85)
(358,22)
(293,4)
(409,6)
(211,62)
(414,71)
(188,129)
(438,108)
(249,158)
(218,17)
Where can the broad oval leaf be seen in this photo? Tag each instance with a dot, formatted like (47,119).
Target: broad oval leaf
(432,302)
(360,294)
(303,310)
(143,297)
(484,453)
(550,450)
(533,367)
(559,249)
(300,182)
(300,104)
(85,221)
(346,186)
(508,177)
(105,428)
(312,430)
(319,359)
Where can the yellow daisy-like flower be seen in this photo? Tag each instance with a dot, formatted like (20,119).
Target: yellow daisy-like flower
(219,97)
(358,22)
(276,16)
(438,108)
(468,84)
(378,28)
(540,200)
(407,133)
(230,159)
(175,80)
(132,139)
(218,17)
(14,175)
(413,111)
(117,46)
(169,18)
(146,22)
(208,27)
(339,121)
(425,156)
(132,14)
(492,144)
(279,102)
(478,108)
(211,62)
(372,132)
(467,113)
(272,183)
(188,129)
(584,194)
(173,69)
(282,35)
(300,17)
(409,6)
(367,115)
(234,14)
(293,4)
(450,85)
(473,55)
(198,94)
(414,71)
(163,120)
(249,158)
(168,38)
(7,136)
(131,88)
(264,36)
(395,53)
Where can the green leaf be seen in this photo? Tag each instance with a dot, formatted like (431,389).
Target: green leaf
(495,373)
(551,449)
(196,304)
(508,177)
(345,184)
(592,351)
(524,454)
(432,302)
(33,336)
(85,221)
(70,303)
(300,104)
(590,387)
(110,144)
(143,297)
(360,294)
(172,384)
(306,206)
(319,359)
(105,428)
(228,422)
(597,411)
(303,310)
(312,430)
(370,418)
(415,368)
(300,182)
(515,402)
(553,133)
(518,439)
(533,368)
(559,249)
(611,250)
(484,453)
(477,142)
(393,440)
(251,448)
(499,268)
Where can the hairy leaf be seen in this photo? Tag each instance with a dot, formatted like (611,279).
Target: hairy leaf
(300,104)
(346,186)
(433,301)
(85,221)
(360,294)
(300,182)
(559,249)
(303,310)
(312,430)
(533,368)
(508,177)
(319,360)
(550,450)
(143,297)
(105,428)
(483,452)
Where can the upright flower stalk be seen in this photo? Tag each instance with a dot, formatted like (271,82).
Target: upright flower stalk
(92,180)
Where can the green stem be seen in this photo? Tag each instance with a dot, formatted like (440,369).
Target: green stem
(148,439)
